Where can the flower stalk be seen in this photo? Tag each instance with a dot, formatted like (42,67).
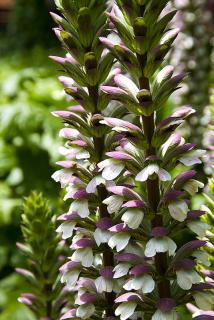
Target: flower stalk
(135,240)
(44,255)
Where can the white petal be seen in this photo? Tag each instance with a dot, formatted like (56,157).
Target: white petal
(171,246)
(147,284)
(103,285)
(178,210)
(162,244)
(199,227)
(159,315)
(150,249)
(125,310)
(203,257)
(204,300)
(186,279)
(133,218)
(101,236)
(84,255)
(82,154)
(96,181)
(112,171)
(81,207)
(113,203)
(62,176)
(119,240)
(192,186)
(70,278)
(66,228)
(85,311)
(121,270)
(164,175)
(146,172)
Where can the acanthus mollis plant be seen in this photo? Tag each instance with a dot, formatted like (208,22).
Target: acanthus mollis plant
(135,240)
(157,235)
(88,274)
(44,255)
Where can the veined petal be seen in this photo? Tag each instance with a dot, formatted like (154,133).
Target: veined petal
(204,300)
(198,227)
(70,278)
(81,207)
(66,228)
(113,203)
(62,176)
(160,244)
(146,172)
(104,285)
(186,278)
(85,311)
(101,236)
(119,240)
(178,210)
(96,181)
(125,310)
(133,218)
(159,315)
(121,270)
(84,255)
(164,175)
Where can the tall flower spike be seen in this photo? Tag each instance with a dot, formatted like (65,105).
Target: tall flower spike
(88,65)
(150,204)
(44,255)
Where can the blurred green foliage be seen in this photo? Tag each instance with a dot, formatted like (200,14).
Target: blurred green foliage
(30,24)
(29,91)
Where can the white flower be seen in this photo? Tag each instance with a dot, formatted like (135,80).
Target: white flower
(202,257)
(191,158)
(66,228)
(125,310)
(70,191)
(70,278)
(104,285)
(96,181)
(85,311)
(144,283)
(160,244)
(192,186)
(113,203)
(111,168)
(63,176)
(204,300)
(150,170)
(119,240)
(178,210)
(101,236)
(83,255)
(198,227)
(81,207)
(121,270)
(186,278)
(133,218)
(159,315)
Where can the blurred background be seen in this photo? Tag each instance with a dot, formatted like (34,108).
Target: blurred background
(29,91)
